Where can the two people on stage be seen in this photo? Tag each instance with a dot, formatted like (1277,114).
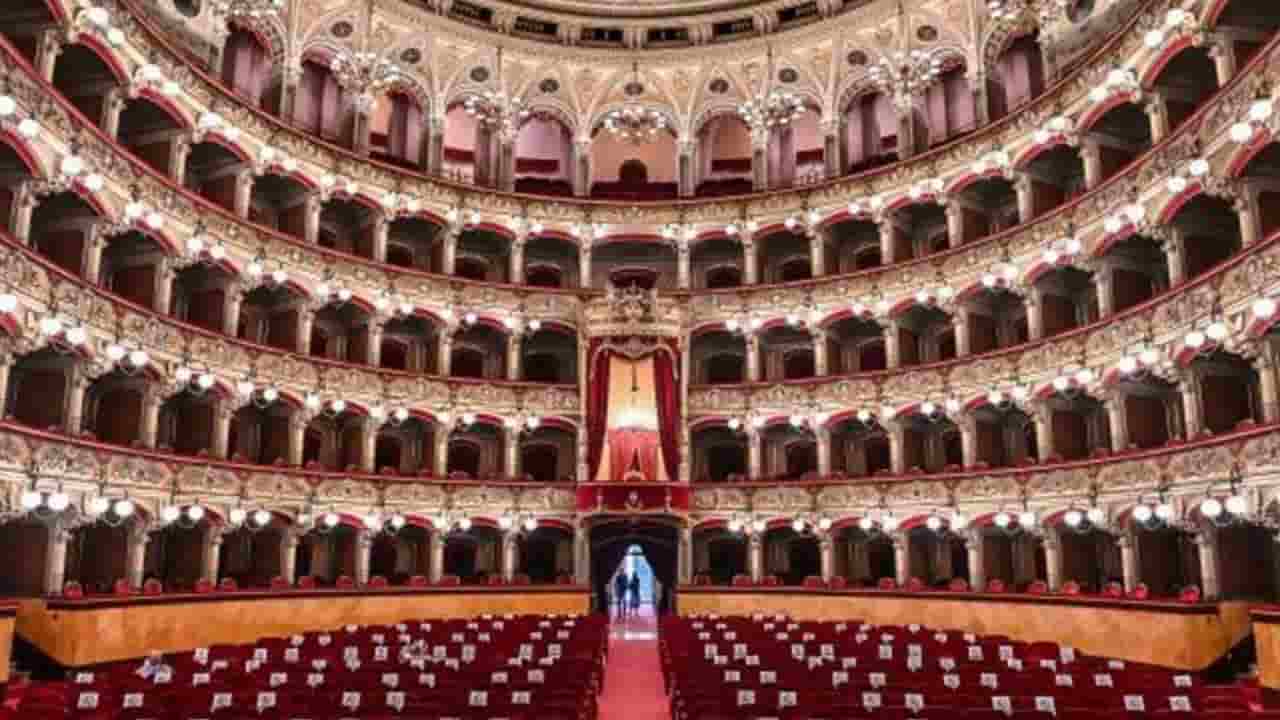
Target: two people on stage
(626,594)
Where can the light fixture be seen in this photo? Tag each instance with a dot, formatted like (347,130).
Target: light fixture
(770,107)
(1085,521)
(394,417)
(1118,80)
(635,123)
(1056,127)
(64,334)
(1154,515)
(495,108)
(904,74)
(1064,249)
(1234,509)
(1073,381)
(44,505)
(997,159)
(1260,113)
(257,269)
(364,73)
(126,360)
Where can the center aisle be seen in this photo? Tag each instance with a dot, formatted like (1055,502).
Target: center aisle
(633,675)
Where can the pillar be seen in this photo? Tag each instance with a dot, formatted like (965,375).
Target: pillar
(1024,186)
(212,553)
(827,557)
(1128,560)
(162,295)
(112,107)
(955,224)
(887,243)
(515,341)
(297,434)
(95,243)
(1117,420)
(1091,155)
(1250,216)
(449,251)
(55,566)
(968,425)
(961,325)
(821,363)
(306,317)
(1042,416)
(755,455)
(361,127)
(179,150)
(150,421)
(435,565)
(981,104)
(373,350)
(977,568)
(1053,559)
(435,148)
(289,556)
(901,559)
(897,456)
(822,439)
(48,47)
(1175,251)
(1158,115)
(244,193)
(6,364)
(440,451)
(584,265)
(755,557)
(136,553)
(311,223)
(684,564)
(817,258)
(445,359)
(77,383)
(750,271)
(508,559)
(581,557)
(381,227)
(25,198)
(1192,409)
(515,272)
(1268,385)
(1034,304)
(685,166)
(582,167)
(289,90)
(232,300)
(1207,547)
(368,445)
(753,357)
(364,548)
(891,344)
(682,264)
(759,160)
(511,452)
(833,164)
(1102,282)
(1224,59)
(906,133)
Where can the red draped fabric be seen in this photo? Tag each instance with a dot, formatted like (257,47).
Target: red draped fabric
(597,405)
(633,448)
(666,368)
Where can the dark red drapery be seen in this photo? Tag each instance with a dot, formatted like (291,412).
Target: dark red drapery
(666,368)
(597,405)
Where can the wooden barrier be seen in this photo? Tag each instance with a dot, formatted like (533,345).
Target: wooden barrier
(1173,634)
(89,631)
(1266,636)
(8,615)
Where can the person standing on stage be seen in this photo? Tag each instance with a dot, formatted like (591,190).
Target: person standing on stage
(620,593)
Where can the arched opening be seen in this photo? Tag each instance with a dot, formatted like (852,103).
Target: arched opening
(1078,423)
(98,553)
(1230,391)
(948,103)
(544,156)
(852,244)
(546,554)
(1068,299)
(931,443)
(783,256)
(38,387)
(1185,82)
(1057,177)
(476,451)
(1153,411)
(1018,75)
(213,172)
(188,423)
(863,557)
(1247,557)
(643,264)
(854,344)
(718,555)
(1116,139)
(1262,181)
(1006,436)
(322,106)
(550,355)
(1012,559)
(176,554)
(348,225)
(252,555)
(334,441)
(986,207)
(271,315)
(85,79)
(414,242)
(479,351)
(724,155)
(790,556)
(14,171)
(789,453)
(1168,560)
(1090,557)
(859,448)
(551,261)
(246,66)
(546,276)
(926,334)
(402,555)
(786,353)
(718,357)
(610,543)
(23,21)
(22,565)
(279,202)
(548,454)
(1248,26)
(870,132)
(467,147)
(61,227)
(796,152)
(1139,270)
(716,263)
(993,318)
(474,555)
(341,331)
(329,555)
(132,268)
(201,293)
(464,459)
(409,342)
(935,558)
(483,254)
(113,407)
(396,130)
(916,230)
(719,454)
(259,432)
(1206,231)
(149,131)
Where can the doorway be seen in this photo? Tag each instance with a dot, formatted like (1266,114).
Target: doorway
(646,547)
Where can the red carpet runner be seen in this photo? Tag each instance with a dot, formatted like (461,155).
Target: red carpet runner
(633,676)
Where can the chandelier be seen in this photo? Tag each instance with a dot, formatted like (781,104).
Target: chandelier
(495,108)
(364,72)
(771,107)
(634,123)
(905,74)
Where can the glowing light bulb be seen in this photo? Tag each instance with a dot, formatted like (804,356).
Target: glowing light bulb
(1142,513)
(1073,518)
(1211,508)
(238,516)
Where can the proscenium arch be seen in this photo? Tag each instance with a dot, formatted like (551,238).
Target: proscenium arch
(610,536)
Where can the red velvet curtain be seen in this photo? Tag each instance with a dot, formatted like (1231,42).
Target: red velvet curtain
(633,448)
(597,406)
(666,368)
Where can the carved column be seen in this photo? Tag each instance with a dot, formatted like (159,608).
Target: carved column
(981,105)
(753,357)
(55,564)
(77,383)
(891,344)
(362,130)
(449,251)
(1249,214)
(1117,421)
(297,435)
(1053,559)
(1207,547)
(1192,406)
(444,361)
(1025,189)
(581,556)
(582,167)
(755,455)
(684,566)
(515,272)
(311,220)
(968,425)
(1268,385)
(1033,301)
(686,164)
(827,557)
(833,163)
(212,553)
(373,351)
(95,243)
(977,561)
(244,192)
(179,150)
(289,556)
(25,198)
(1129,560)
(152,399)
(961,324)
(755,557)
(955,225)
(436,543)
(368,444)
(887,243)
(289,90)
(584,265)
(822,439)
(682,263)
(511,452)
(759,160)
(364,549)
(1042,416)
(381,228)
(440,451)
(1224,59)
(232,300)
(897,458)
(515,341)
(48,48)
(821,363)
(112,107)
(901,559)
(6,364)
(1175,251)
(136,553)
(750,263)
(508,558)
(817,256)
(1157,110)
(435,147)
(1091,155)
(162,295)
(1103,279)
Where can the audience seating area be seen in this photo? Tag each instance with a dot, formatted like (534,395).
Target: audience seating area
(1111,590)
(510,667)
(718,668)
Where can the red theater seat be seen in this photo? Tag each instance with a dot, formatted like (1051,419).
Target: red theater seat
(378,581)
(72,590)
(228,585)
(121,588)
